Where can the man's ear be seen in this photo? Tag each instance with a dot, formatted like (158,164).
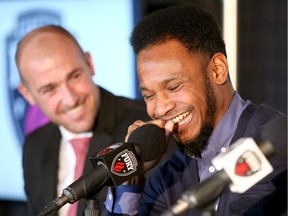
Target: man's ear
(219,68)
(26,94)
(90,62)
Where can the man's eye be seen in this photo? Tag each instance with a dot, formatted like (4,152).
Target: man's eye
(47,90)
(174,88)
(76,75)
(148,96)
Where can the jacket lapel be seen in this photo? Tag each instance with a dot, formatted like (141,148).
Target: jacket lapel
(50,164)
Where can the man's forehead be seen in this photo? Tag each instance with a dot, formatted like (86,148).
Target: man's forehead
(41,38)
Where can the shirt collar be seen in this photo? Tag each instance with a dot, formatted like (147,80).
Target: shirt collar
(68,135)
(224,131)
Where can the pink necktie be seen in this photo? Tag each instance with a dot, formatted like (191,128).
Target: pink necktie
(80,146)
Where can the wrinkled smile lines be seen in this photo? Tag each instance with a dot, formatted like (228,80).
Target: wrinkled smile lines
(182,119)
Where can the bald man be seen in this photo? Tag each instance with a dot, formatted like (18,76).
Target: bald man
(56,74)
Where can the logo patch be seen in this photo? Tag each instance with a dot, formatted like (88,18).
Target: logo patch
(124,164)
(247,164)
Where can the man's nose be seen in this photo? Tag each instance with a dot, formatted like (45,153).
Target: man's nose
(69,97)
(164,104)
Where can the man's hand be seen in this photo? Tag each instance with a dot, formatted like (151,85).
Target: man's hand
(168,126)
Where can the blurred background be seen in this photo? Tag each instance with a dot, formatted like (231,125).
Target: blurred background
(255,33)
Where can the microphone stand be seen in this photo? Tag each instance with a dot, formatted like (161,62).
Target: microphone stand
(92,207)
(207,213)
(209,210)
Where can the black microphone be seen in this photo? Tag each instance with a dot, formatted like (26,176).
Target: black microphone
(126,161)
(115,165)
(239,168)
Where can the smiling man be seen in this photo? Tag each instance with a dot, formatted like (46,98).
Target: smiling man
(66,93)
(175,88)
(57,76)
(184,79)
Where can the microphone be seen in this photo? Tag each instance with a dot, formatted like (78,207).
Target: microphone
(114,165)
(239,168)
(124,163)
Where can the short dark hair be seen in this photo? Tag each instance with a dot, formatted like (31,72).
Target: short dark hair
(195,28)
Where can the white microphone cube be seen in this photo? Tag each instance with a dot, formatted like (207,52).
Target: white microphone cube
(244,163)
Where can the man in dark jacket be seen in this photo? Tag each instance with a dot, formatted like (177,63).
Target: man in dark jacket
(57,76)
(184,79)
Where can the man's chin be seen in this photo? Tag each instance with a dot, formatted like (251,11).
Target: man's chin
(197,145)
(181,139)
(78,128)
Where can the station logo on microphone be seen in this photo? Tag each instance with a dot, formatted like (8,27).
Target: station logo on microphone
(124,164)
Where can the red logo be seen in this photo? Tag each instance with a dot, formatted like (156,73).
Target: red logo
(109,149)
(119,166)
(247,164)
(124,164)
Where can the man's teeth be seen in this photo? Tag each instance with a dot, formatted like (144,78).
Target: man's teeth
(74,111)
(181,117)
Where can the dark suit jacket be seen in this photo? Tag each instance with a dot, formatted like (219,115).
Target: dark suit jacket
(41,149)
(267,197)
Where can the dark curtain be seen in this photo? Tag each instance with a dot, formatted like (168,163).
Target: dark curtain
(262,52)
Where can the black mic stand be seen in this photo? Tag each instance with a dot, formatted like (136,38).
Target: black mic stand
(209,210)
(92,207)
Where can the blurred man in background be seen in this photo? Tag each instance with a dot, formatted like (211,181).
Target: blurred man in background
(56,75)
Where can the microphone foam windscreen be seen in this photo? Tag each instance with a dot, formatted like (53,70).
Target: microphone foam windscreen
(151,141)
